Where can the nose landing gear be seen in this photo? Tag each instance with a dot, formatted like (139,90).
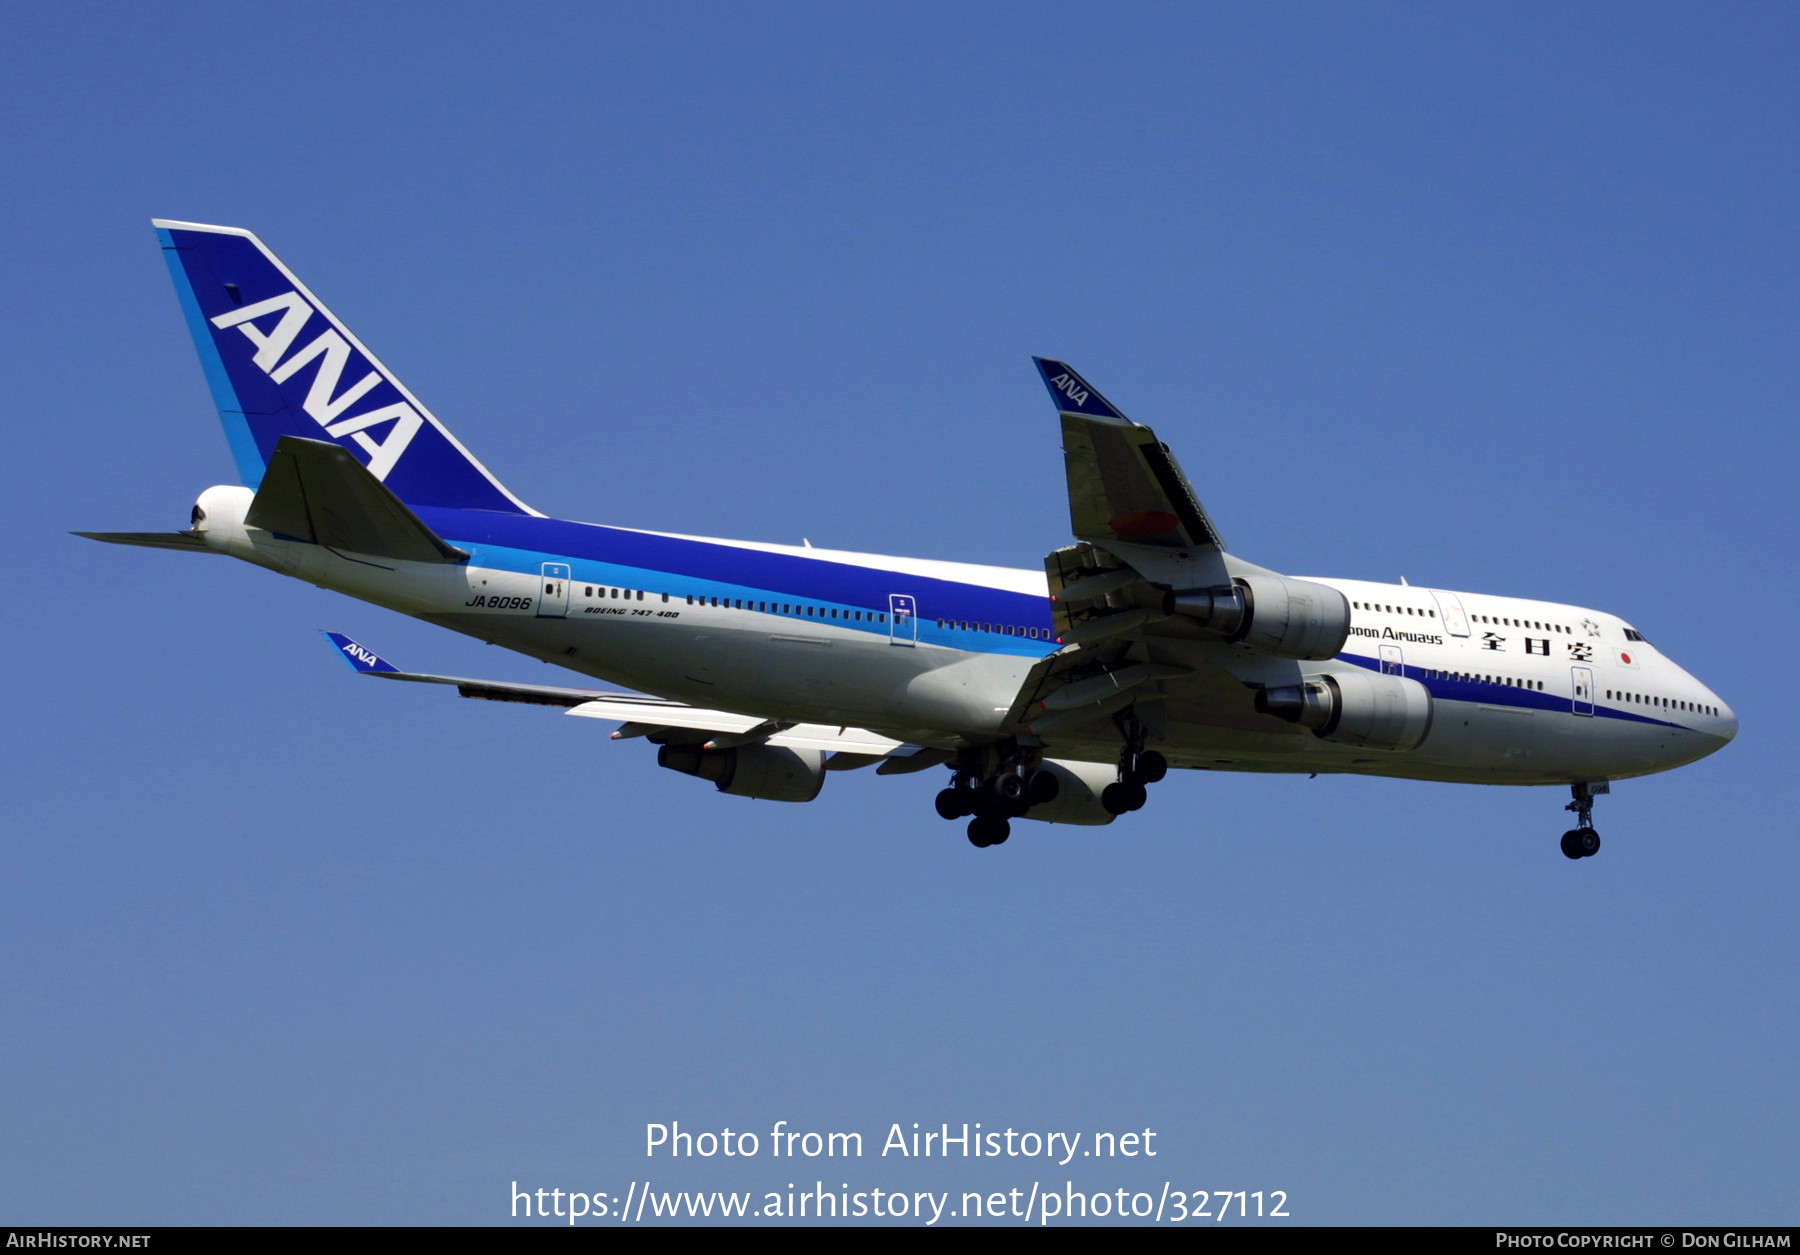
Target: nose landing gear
(1580,842)
(1583,841)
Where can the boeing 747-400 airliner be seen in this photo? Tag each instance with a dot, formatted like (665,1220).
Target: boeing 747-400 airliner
(1056,695)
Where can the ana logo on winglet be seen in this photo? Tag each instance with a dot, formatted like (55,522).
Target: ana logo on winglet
(359,657)
(323,401)
(1069,388)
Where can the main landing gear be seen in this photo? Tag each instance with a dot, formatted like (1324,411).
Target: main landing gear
(997,797)
(1583,841)
(994,785)
(1135,771)
(1137,767)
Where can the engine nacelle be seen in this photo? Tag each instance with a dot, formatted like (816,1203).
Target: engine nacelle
(1272,614)
(1380,712)
(1077,799)
(773,773)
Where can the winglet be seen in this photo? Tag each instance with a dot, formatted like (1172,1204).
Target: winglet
(1073,394)
(360,659)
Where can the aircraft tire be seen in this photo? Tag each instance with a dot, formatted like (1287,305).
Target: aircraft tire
(1151,767)
(1587,841)
(953,803)
(1040,787)
(986,830)
(1569,847)
(1115,799)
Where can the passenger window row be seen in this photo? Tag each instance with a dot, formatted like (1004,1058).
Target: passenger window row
(617,593)
(998,629)
(1503,680)
(797,610)
(1363,605)
(1490,619)
(1501,621)
(1662,703)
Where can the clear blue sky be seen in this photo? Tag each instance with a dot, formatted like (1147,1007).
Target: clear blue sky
(1495,298)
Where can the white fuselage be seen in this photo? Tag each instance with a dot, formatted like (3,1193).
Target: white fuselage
(1524,692)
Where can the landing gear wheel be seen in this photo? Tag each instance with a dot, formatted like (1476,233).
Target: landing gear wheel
(954,803)
(1008,787)
(1580,843)
(1124,796)
(1041,787)
(1151,767)
(986,830)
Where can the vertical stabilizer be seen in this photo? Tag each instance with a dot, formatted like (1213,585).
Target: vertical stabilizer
(280,364)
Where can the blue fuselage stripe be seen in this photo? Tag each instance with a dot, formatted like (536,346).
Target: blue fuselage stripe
(1451,690)
(681,567)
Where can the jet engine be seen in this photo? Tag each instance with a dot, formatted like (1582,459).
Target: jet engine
(773,773)
(1381,712)
(1272,614)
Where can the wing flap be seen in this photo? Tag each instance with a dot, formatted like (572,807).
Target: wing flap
(627,708)
(858,741)
(654,713)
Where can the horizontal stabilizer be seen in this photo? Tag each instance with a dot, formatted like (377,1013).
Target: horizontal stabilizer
(189,541)
(318,492)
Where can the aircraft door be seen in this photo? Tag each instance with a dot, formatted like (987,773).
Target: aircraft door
(1455,621)
(1393,662)
(1582,702)
(903,619)
(553,591)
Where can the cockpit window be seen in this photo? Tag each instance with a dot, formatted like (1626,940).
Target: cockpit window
(1632,634)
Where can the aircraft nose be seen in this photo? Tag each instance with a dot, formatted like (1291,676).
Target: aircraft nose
(1728,723)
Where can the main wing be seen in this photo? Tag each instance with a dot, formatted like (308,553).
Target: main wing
(1147,598)
(661,720)
(1144,542)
